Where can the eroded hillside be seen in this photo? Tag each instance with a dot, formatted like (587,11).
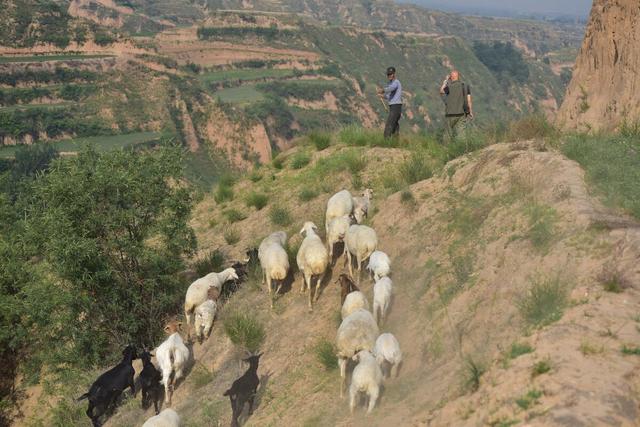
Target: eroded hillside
(516,295)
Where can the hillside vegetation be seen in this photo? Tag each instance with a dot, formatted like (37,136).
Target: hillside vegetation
(511,279)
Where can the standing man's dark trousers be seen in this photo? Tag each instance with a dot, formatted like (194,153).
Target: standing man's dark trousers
(392,128)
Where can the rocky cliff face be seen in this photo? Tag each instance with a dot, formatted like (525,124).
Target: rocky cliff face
(604,91)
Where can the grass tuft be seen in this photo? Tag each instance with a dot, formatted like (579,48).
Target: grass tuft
(518,349)
(320,140)
(589,349)
(245,330)
(541,367)
(278,162)
(280,216)
(257,200)
(542,221)
(300,160)
(234,215)
(325,352)
(416,168)
(544,302)
(307,194)
(630,350)
(613,280)
(473,372)
(200,376)
(223,194)
(406,197)
(232,236)
(529,399)
(209,262)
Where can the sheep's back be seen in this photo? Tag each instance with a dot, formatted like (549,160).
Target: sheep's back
(313,254)
(167,418)
(196,293)
(355,300)
(366,374)
(339,204)
(275,261)
(388,347)
(356,332)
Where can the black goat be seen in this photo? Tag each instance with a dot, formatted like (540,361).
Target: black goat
(150,382)
(105,391)
(244,389)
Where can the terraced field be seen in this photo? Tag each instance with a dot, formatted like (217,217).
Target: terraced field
(244,74)
(240,95)
(47,58)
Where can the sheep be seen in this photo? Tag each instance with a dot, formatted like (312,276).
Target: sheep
(205,314)
(387,353)
(357,332)
(213,294)
(274,261)
(360,241)
(172,356)
(244,389)
(150,379)
(339,204)
(354,301)
(381,299)
(336,230)
(361,205)
(366,378)
(167,418)
(346,287)
(107,388)
(197,292)
(312,259)
(379,264)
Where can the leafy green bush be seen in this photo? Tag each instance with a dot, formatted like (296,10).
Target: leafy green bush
(544,302)
(245,330)
(326,353)
(209,262)
(257,200)
(280,216)
(300,160)
(503,59)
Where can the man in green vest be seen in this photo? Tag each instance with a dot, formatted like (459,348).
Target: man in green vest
(458,106)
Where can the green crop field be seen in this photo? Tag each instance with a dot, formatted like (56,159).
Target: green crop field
(240,95)
(250,74)
(46,58)
(34,106)
(102,143)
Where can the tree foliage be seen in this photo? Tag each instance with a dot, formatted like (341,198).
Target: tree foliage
(503,59)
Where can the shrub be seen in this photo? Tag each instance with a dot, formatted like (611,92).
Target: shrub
(257,200)
(326,352)
(320,140)
(541,367)
(234,215)
(518,349)
(255,176)
(223,193)
(406,197)
(544,302)
(280,216)
(278,162)
(473,372)
(245,330)
(209,262)
(355,163)
(307,194)
(231,236)
(529,399)
(300,160)
(503,59)
(415,168)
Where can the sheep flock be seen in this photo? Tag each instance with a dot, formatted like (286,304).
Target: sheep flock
(370,356)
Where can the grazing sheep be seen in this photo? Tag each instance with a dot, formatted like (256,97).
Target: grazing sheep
(379,264)
(197,292)
(205,314)
(357,332)
(172,356)
(360,241)
(361,205)
(274,261)
(346,287)
(312,259)
(381,299)
(150,379)
(167,418)
(105,391)
(336,230)
(244,389)
(340,204)
(388,354)
(354,301)
(366,378)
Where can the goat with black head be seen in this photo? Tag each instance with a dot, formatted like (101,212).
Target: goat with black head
(150,382)
(244,389)
(104,392)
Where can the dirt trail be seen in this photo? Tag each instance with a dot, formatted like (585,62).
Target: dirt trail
(463,256)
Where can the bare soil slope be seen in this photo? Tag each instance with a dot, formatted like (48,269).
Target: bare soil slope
(467,247)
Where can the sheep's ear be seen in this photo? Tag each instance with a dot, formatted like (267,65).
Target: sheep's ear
(152,355)
(302,231)
(166,328)
(179,325)
(315,227)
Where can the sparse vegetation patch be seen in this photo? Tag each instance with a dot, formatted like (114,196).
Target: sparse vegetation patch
(245,330)
(544,301)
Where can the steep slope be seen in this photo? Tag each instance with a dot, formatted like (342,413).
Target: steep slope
(471,249)
(603,91)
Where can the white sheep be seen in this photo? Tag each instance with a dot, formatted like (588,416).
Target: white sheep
(387,352)
(354,301)
(312,259)
(167,418)
(361,205)
(172,356)
(381,299)
(379,264)
(366,378)
(336,230)
(274,261)
(340,204)
(359,241)
(197,292)
(205,315)
(357,332)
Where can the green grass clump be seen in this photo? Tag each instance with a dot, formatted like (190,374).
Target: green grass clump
(518,349)
(245,330)
(300,160)
(612,164)
(542,221)
(630,350)
(234,215)
(544,302)
(529,399)
(278,162)
(407,197)
(416,168)
(231,236)
(473,372)
(200,376)
(361,137)
(535,126)
(541,367)
(325,352)
(320,140)
(307,194)
(209,262)
(257,200)
(613,280)
(255,176)
(223,193)
(280,216)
